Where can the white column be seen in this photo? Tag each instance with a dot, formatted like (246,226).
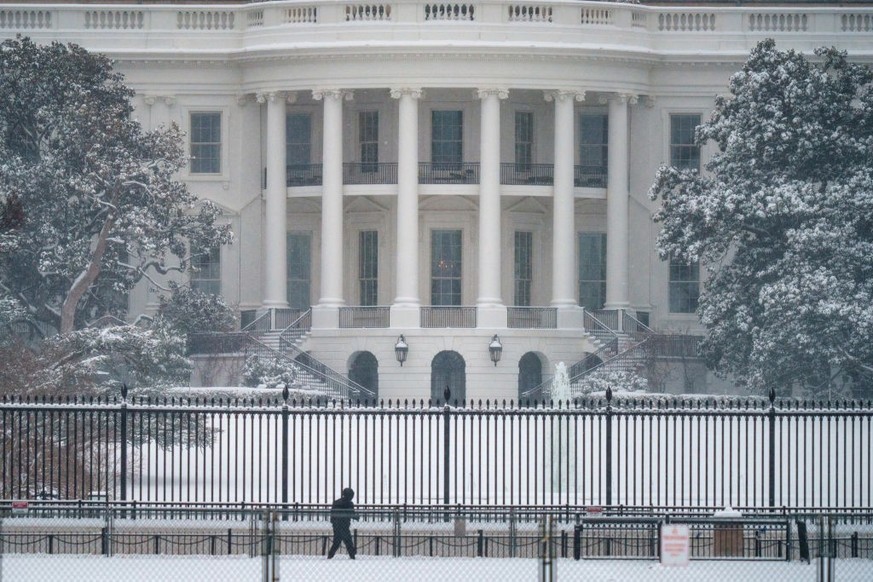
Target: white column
(564,213)
(617,204)
(492,312)
(275,250)
(405,309)
(332,201)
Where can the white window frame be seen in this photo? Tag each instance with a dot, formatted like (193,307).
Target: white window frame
(223,174)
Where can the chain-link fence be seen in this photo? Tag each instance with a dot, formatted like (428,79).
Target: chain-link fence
(428,543)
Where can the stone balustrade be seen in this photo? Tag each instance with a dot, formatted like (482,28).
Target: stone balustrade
(605,24)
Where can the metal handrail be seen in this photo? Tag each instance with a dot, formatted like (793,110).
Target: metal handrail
(612,361)
(596,328)
(255,325)
(631,324)
(299,327)
(337,386)
(347,388)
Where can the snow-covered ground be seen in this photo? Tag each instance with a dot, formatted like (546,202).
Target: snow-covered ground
(386,569)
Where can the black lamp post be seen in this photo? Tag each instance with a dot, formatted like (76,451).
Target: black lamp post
(495,348)
(401,349)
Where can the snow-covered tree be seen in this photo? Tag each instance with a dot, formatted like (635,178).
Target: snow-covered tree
(189,311)
(269,372)
(616,380)
(783,220)
(88,200)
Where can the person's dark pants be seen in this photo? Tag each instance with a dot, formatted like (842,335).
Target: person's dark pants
(342,536)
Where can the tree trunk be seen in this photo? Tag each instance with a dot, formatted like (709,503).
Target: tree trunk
(85,280)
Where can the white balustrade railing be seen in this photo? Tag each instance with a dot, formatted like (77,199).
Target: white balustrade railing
(205,20)
(368,12)
(14,18)
(231,27)
(255,18)
(529,13)
(301,15)
(856,23)
(449,11)
(114,19)
(777,22)
(686,22)
(596,16)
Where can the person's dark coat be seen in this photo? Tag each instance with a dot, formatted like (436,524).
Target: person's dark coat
(342,512)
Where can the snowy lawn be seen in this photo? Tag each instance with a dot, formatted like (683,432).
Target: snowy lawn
(385,569)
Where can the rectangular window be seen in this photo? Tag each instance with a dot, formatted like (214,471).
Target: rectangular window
(206,271)
(299,246)
(684,286)
(298,140)
(592,270)
(206,142)
(523,141)
(445,267)
(684,152)
(523,267)
(593,150)
(594,139)
(368,267)
(447,151)
(368,132)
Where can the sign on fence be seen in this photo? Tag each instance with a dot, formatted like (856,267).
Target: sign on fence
(19,508)
(675,545)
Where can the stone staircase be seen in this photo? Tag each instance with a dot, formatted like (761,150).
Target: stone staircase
(313,377)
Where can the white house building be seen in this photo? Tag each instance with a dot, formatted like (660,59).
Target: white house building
(444,176)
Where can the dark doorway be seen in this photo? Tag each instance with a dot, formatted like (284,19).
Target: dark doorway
(530,374)
(365,371)
(448,369)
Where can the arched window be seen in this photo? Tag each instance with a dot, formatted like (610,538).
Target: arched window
(365,371)
(530,375)
(448,370)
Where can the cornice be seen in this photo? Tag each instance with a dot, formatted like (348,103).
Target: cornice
(331,53)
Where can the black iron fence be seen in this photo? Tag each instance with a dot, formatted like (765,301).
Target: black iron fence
(746,453)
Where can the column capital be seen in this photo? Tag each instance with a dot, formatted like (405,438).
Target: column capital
(483,93)
(274,96)
(338,94)
(415,93)
(564,95)
(170,100)
(150,99)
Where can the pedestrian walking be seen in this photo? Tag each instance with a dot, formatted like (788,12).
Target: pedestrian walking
(342,512)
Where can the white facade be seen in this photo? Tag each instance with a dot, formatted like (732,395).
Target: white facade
(486,122)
